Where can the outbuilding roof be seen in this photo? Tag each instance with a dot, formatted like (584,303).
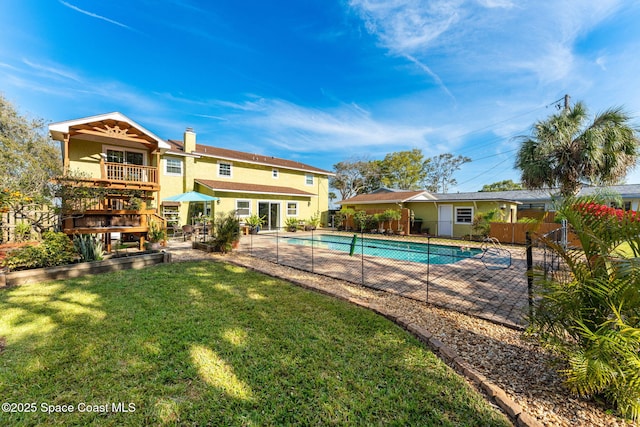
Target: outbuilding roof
(385,195)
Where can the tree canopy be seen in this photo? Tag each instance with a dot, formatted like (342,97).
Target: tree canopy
(440,171)
(28,158)
(505,185)
(567,151)
(402,170)
(353,177)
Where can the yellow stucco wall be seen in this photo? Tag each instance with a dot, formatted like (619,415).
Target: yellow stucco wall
(84,155)
(428,213)
(241,172)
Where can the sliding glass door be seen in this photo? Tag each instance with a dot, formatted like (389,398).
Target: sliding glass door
(270,211)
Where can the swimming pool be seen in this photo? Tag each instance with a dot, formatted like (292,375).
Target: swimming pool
(424,253)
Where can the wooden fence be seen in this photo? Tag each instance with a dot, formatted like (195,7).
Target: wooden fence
(396,227)
(515,233)
(39,218)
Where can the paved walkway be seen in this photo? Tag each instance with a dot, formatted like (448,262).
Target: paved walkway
(466,286)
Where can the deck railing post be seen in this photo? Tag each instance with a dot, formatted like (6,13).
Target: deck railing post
(277,248)
(362,257)
(529,272)
(428,265)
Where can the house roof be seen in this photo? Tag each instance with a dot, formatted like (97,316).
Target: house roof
(177,147)
(539,196)
(386,195)
(239,187)
(113,124)
(476,197)
(626,191)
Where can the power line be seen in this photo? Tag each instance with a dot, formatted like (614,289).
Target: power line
(486,170)
(497,154)
(506,120)
(559,104)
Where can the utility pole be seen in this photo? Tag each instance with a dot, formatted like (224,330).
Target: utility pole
(566,102)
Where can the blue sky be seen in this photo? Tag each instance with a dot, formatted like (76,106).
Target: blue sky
(322,81)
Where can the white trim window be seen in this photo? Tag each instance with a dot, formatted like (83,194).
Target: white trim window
(243,207)
(225,170)
(308,179)
(173,166)
(464,215)
(127,156)
(292,208)
(275,173)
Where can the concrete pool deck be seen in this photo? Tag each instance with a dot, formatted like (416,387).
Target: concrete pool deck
(467,286)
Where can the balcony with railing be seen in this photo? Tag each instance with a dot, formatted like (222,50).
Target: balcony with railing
(130,173)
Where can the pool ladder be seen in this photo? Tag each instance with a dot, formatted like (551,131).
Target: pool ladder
(494,256)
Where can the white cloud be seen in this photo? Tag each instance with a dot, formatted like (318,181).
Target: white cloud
(507,4)
(408,28)
(58,71)
(93,15)
(305,129)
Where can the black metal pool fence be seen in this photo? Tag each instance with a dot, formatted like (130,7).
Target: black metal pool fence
(483,279)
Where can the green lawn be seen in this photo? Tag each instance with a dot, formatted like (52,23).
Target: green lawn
(214,344)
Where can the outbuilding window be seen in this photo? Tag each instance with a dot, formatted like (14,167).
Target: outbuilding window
(464,215)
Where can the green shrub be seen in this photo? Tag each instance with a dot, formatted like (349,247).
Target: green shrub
(291,223)
(227,231)
(482,221)
(89,246)
(55,249)
(361,220)
(22,232)
(590,313)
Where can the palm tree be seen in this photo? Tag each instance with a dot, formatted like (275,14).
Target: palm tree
(565,153)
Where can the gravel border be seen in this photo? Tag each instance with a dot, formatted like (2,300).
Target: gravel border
(515,373)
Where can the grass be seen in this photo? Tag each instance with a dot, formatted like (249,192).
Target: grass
(213,344)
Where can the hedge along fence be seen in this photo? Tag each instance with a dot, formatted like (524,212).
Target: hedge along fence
(515,233)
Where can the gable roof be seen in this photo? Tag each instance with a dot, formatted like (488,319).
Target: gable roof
(112,120)
(389,196)
(177,147)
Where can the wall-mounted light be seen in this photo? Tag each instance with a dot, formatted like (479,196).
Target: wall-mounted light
(218,202)
(503,207)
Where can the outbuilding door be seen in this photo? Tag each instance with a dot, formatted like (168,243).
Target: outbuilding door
(445,220)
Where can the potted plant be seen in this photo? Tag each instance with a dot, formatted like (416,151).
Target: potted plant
(156,235)
(227,233)
(392,215)
(254,222)
(344,215)
(291,224)
(312,223)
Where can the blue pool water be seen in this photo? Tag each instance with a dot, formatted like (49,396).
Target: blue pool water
(395,249)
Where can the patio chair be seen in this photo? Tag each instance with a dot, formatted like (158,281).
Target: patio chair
(187,231)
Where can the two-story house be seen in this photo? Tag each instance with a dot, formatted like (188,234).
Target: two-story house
(246,183)
(130,172)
